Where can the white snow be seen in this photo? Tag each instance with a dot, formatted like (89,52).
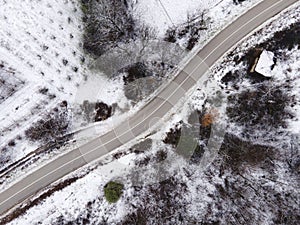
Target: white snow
(162,14)
(288,69)
(35,37)
(264,64)
(74,197)
(23,42)
(166,13)
(72,201)
(48,32)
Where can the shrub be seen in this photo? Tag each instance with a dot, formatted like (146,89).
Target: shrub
(159,203)
(113,191)
(209,118)
(136,71)
(190,30)
(263,107)
(51,127)
(103,111)
(236,2)
(173,136)
(11,143)
(95,112)
(161,155)
(240,154)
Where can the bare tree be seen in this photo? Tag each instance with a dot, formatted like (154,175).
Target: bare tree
(107,22)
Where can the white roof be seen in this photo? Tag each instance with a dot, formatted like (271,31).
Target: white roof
(265,62)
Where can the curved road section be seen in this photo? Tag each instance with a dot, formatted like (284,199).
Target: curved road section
(193,71)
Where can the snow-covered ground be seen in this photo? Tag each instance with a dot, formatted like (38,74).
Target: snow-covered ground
(287,64)
(44,48)
(41,42)
(73,202)
(288,69)
(167,13)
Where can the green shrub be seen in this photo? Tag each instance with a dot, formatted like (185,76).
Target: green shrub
(113,191)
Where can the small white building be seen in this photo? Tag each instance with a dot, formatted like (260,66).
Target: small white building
(265,63)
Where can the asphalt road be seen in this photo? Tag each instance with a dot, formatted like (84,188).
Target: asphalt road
(139,123)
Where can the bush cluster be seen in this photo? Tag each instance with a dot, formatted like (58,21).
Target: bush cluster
(52,127)
(113,191)
(189,30)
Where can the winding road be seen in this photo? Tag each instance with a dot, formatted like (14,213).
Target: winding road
(166,98)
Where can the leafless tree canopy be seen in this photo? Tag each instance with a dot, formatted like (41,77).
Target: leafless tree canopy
(107,22)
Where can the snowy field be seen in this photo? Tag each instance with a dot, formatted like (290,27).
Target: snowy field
(85,197)
(43,48)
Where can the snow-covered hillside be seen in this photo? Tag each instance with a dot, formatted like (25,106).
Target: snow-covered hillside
(254,179)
